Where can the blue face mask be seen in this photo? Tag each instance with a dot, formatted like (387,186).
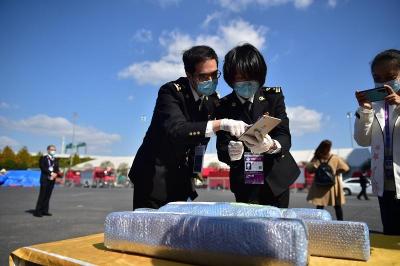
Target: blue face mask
(207,87)
(395,84)
(246,89)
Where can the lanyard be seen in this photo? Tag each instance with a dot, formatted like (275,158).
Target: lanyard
(388,147)
(388,156)
(50,161)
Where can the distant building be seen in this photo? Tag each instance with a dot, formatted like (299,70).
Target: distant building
(354,157)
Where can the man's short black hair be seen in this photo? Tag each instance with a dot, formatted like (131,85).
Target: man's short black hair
(197,54)
(246,60)
(51,146)
(387,55)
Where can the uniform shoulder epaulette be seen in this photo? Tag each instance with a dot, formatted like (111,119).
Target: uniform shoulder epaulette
(177,86)
(273,90)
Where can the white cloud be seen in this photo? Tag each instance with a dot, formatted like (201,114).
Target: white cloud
(45,125)
(170,66)
(241,5)
(4,105)
(332,3)
(7,141)
(303,120)
(166,3)
(302,3)
(143,35)
(210,18)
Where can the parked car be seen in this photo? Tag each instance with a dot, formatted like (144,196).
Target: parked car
(352,186)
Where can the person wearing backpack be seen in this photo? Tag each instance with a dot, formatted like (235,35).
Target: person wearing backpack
(327,189)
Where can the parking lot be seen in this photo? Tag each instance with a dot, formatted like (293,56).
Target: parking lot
(81,211)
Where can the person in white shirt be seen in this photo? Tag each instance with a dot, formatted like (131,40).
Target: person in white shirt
(377,125)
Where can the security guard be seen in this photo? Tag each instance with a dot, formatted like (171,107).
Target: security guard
(182,123)
(49,171)
(268,183)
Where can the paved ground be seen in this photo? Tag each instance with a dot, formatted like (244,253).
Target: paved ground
(80,211)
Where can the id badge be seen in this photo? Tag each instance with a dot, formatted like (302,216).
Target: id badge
(198,158)
(253,168)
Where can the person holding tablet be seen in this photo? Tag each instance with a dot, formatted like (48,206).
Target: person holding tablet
(261,167)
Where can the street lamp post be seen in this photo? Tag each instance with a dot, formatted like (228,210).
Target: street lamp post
(349,116)
(74,117)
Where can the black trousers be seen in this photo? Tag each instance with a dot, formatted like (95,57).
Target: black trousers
(390,213)
(263,195)
(363,192)
(46,188)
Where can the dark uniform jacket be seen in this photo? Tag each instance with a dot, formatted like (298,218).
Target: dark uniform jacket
(44,163)
(47,166)
(280,170)
(162,170)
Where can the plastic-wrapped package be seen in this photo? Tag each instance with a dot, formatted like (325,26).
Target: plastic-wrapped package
(208,240)
(327,238)
(222,209)
(338,239)
(306,213)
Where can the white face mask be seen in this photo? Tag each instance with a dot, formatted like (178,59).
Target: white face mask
(52,153)
(395,84)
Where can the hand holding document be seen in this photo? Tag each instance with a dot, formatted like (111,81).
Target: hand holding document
(263,125)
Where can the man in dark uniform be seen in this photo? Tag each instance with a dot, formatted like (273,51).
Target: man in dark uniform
(245,71)
(179,131)
(49,172)
(363,184)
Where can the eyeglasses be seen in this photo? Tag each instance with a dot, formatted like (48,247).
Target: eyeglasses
(206,76)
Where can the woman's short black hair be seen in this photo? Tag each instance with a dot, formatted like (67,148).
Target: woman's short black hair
(246,60)
(387,55)
(197,54)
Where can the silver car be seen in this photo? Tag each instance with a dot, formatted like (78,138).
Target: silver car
(352,186)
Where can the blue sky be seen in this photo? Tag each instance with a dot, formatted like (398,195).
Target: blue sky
(105,60)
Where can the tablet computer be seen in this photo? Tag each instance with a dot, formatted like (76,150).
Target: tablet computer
(376,94)
(264,125)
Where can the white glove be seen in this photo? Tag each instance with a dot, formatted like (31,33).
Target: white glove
(235,150)
(234,127)
(258,144)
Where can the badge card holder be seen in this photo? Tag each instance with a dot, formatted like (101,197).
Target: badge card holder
(253,168)
(198,158)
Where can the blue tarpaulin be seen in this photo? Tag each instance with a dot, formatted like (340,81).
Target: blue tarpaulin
(20,178)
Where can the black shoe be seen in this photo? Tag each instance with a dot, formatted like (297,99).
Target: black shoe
(36,214)
(47,214)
